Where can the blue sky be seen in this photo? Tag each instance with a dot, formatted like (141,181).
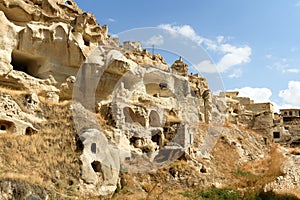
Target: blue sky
(254,44)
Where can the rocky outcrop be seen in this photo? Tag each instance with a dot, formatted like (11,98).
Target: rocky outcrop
(289,180)
(45,38)
(153,115)
(100,163)
(12,189)
(244,112)
(131,110)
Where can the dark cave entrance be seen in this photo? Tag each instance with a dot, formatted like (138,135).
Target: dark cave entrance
(276,135)
(96,165)
(27,63)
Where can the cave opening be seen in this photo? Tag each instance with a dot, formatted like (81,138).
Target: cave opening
(94,148)
(29,131)
(155,138)
(3,127)
(27,63)
(96,165)
(276,135)
(158,137)
(6,126)
(154,120)
(134,117)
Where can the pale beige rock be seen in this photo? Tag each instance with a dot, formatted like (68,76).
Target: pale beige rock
(8,42)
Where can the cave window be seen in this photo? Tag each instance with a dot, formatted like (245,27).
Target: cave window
(159,90)
(86,43)
(28,131)
(96,165)
(94,148)
(131,117)
(276,135)
(163,85)
(154,119)
(290,113)
(79,145)
(3,127)
(133,140)
(155,138)
(235,111)
(128,113)
(68,3)
(26,63)
(285,113)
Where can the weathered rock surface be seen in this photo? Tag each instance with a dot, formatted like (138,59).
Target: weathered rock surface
(11,189)
(290,179)
(131,110)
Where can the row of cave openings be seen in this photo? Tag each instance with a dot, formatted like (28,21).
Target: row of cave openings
(96,165)
(9,127)
(136,117)
(160,138)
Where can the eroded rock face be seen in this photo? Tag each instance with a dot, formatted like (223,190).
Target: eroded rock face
(101,163)
(11,189)
(289,180)
(13,119)
(8,41)
(45,38)
(153,113)
(54,50)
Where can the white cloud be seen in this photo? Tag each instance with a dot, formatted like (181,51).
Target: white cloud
(259,95)
(293,70)
(294,49)
(297,4)
(206,66)
(282,65)
(269,56)
(291,95)
(231,55)
(111,20)
(185,30)
(236,73)
(155,40)
(220,38)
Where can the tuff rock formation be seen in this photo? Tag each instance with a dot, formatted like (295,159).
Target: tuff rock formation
(130,110)
(55,51)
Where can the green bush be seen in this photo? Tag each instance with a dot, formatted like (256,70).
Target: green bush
(230,194)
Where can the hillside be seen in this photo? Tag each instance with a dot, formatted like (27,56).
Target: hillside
(84,117)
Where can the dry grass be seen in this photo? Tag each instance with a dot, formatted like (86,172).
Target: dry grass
(225,160)
(11,91)
(253,176)
(295,192)
(160,184)
(50,159)
(47,158)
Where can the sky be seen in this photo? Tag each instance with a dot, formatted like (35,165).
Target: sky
(253,45)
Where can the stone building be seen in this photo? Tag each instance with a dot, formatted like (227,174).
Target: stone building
(287,126)
(244,112)
(283,128)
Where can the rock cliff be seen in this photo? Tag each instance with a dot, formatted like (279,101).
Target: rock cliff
(82,116)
